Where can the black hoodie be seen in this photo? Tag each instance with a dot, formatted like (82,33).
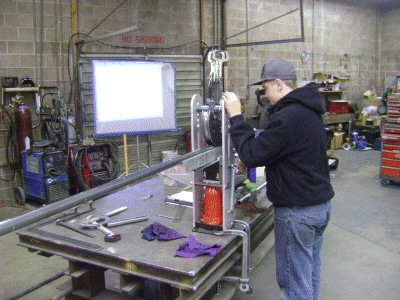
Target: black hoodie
(292,148)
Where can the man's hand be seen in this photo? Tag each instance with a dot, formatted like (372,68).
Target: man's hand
(232,104)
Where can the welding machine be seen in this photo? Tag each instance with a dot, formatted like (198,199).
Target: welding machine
(45,175)
(92,165)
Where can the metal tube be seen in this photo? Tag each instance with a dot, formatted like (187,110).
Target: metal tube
(245,251)
(137,153)
(247,229)
(126,159)
(241,200)
(284,41)
(93,194)
(232,195)
(262,24)
(39,285)
(107,16)
(127,221)
(179,58)
(114,33)
(301,19)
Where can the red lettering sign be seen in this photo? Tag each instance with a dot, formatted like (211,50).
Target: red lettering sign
(143,39)
(127,39)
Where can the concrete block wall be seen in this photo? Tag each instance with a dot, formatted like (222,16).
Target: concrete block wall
(344,41)
(32,43)
(390,44)
(341,36)
(33,40)
(34,36)
(164,23)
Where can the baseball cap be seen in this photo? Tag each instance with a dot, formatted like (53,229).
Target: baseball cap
(277,68)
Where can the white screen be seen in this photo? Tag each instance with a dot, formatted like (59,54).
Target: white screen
(133,97)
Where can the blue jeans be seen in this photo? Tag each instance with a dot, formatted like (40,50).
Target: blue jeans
(298,241)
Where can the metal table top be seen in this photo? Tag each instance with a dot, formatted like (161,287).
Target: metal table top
(132,254)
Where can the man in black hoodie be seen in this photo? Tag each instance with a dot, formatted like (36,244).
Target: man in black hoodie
(292,147)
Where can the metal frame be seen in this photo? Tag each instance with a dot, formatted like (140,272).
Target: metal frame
(226,162)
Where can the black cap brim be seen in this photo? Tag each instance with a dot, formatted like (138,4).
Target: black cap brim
(257,83)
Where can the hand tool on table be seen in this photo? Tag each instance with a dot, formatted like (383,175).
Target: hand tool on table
(147,197)
(169,217)
(99,223)
(67,216)
(109,236)
(73,228)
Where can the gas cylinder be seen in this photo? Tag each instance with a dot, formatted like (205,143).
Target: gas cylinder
(212,206)
(23,123)
(71,129)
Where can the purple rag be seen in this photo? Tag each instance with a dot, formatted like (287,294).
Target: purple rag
(161,233)
(193,248)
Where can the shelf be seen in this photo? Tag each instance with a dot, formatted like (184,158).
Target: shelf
(21,89)
(338,118)
(331,92)
(27,89)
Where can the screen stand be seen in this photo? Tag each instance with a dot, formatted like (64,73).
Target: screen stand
(138,162)
(126,154)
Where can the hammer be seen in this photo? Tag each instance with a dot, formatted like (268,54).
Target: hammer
(109,235)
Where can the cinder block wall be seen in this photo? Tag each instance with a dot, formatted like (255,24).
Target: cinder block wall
(341,38)
(390,44)
(34,38)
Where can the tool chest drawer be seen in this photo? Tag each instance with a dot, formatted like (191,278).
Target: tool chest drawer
(392,129)
(391,147)
(394,163)
(391,140)
(391,172)
(391,154)
(393,112)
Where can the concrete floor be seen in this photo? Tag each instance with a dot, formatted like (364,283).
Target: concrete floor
(361,252)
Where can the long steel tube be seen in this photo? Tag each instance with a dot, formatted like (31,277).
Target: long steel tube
(93,194)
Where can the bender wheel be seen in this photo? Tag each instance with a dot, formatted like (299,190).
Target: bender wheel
(211,122)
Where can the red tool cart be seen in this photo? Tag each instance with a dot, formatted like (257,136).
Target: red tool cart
(390,155)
